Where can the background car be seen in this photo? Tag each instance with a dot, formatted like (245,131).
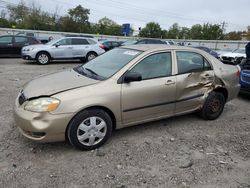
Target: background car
(224,50)
(208,50)
(123,87)
(143,41)
(11,45)
(234,57)
(108,45)
(245,76)
(65,48)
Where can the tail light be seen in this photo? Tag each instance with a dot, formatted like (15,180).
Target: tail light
(102,46)
(238,72)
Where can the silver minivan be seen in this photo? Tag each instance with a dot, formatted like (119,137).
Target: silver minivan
(64,48)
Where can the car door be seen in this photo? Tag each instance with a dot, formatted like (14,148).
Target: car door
(194,77)
(80,46)
(19,42)
(154,95)
(62,49)
(6,46)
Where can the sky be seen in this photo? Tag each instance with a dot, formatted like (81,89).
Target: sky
(235,13)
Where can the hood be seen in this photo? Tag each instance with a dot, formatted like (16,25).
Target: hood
(54,83)
(230,54)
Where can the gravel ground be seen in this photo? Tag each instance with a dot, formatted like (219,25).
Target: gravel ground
(183,151)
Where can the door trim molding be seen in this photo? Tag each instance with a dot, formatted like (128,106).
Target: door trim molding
(165,103)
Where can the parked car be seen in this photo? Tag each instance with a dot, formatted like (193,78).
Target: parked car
(11,45)
(234,57)
(123,87)
(225,50)
(108,45)
(64,48)
(143,41)
(245,76)
(208,50)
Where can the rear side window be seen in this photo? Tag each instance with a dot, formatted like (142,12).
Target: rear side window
(142,42)
(91,41)
(155,66)
(188,62)
(79,42)
(33,41)
(5,40)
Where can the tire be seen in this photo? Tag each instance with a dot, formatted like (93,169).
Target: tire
(213,106)
(91,55)
(83,60)
(43,58)
(84,136)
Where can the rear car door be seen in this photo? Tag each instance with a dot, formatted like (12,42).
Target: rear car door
(79,47)
(6,46)
(62,49)
(19,42)
(154,95)
(194,78)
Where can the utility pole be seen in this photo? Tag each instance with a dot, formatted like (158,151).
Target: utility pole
(223,25)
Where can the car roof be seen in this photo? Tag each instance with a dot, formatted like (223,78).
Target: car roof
(17,36)
(155,47)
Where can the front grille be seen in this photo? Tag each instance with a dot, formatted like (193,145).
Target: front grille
(245,76)
(21,98)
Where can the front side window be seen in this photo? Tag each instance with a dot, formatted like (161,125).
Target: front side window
(5,40)
(188,62)
(64,42)
(155,66)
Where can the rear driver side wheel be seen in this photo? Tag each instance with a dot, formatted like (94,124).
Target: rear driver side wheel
(213,106)
(89,129)
(43,58)
(91,55)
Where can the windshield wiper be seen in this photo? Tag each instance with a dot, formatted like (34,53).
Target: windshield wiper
(93,72)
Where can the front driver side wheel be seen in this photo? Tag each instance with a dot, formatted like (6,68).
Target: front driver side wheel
(89,129)
(43,58)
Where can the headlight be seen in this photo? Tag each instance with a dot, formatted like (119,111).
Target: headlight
(29,49)
(44,104)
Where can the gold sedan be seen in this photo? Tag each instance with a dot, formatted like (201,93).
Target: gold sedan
(123,87)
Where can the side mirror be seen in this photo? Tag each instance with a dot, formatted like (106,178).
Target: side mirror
(56,45)
(132,77)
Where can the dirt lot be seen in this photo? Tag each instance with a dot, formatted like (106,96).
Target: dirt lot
(184,151)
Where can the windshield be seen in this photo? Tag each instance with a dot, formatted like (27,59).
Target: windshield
(239,50)
(108,64)
(129,42)
(51,42)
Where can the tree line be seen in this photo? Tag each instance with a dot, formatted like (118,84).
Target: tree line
(77,20)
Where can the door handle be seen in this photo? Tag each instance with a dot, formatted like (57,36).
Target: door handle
(169,82)
(9,44)
(70,47)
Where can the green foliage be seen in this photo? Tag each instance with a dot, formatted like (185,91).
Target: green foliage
(152,30)
(234,35)
(107,26)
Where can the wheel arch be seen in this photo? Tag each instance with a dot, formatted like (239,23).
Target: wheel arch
(107,110)
(44,51)
(91,52)
(223,91)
